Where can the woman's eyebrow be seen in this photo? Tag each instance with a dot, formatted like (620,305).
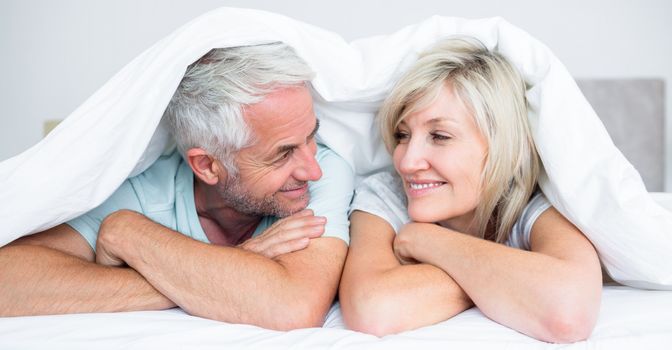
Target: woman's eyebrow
(440,120)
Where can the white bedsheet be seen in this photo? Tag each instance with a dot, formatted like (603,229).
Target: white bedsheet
(629,319)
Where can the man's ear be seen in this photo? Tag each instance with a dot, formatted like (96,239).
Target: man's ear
(205,166)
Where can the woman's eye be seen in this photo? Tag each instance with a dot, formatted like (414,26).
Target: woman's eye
(400,136)
(439,137)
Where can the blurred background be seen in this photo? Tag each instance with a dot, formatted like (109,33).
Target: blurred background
(55,54)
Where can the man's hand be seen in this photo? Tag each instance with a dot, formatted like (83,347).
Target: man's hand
(105,257)
(111,234)
(287,235)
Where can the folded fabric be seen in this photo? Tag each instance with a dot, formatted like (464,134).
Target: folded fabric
(117,132)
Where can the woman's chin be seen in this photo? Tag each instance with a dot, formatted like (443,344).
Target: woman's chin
(420,215)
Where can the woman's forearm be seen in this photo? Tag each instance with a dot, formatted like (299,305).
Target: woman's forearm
(380,296)
(534,293)
(401,298)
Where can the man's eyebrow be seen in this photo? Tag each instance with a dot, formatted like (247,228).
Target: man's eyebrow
(284,148)
(317,127)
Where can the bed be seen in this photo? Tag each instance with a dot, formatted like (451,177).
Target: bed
(629,317)
(121,124)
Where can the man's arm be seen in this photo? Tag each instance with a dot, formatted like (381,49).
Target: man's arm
(380,296)
(294,290)
(52,272)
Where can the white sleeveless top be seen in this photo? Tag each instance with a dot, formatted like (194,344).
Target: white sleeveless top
(382,194)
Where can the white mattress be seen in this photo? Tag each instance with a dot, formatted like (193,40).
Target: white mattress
(629,319)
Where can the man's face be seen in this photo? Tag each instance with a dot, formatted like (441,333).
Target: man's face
(274,172)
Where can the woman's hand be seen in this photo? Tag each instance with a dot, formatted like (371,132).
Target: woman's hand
(407,240)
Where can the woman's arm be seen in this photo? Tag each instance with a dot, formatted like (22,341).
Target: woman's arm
(380,296)
(551,293)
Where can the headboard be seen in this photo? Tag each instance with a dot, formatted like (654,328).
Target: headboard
(633,113)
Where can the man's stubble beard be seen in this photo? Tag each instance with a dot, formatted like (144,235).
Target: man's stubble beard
(241,200)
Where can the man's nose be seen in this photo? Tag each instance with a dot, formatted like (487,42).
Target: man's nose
(308,168)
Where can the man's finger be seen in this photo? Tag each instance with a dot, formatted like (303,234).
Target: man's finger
(312,230)
(306,213)
(293,223)
(286,247)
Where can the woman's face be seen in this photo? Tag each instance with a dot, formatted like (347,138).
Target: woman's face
(440,157)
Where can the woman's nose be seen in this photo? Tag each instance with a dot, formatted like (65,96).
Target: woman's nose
(413,157)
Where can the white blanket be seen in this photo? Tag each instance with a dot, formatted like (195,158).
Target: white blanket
(109,137)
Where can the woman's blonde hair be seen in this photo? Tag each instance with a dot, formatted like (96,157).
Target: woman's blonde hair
(494,92)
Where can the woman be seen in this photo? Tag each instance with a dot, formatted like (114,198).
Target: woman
(463,223)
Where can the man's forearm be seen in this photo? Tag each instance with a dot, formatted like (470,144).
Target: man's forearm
(225,284)
(232,284)
(35,280)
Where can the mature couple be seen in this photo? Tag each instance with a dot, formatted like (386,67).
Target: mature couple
(249,220)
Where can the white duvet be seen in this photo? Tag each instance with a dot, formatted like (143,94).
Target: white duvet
(109,137)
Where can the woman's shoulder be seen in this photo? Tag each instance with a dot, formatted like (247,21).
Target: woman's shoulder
(520,234)
(537,204)
(382,194)
(384,185)
(386,180)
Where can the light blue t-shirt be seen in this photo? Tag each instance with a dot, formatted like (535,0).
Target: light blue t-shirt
(165,193)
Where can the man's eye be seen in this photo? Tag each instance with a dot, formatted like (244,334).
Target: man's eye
(286,155)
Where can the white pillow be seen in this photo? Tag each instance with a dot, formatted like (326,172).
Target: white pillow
(82,161)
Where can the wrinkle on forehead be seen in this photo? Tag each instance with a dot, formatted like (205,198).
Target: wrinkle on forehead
(284,117)
(281,116)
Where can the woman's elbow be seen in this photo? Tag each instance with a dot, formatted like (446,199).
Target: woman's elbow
(565,326)
(369,313)
(372,322)
(573,311)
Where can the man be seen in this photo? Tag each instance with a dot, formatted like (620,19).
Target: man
(245,130)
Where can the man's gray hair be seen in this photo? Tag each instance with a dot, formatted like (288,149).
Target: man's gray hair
(206,111)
